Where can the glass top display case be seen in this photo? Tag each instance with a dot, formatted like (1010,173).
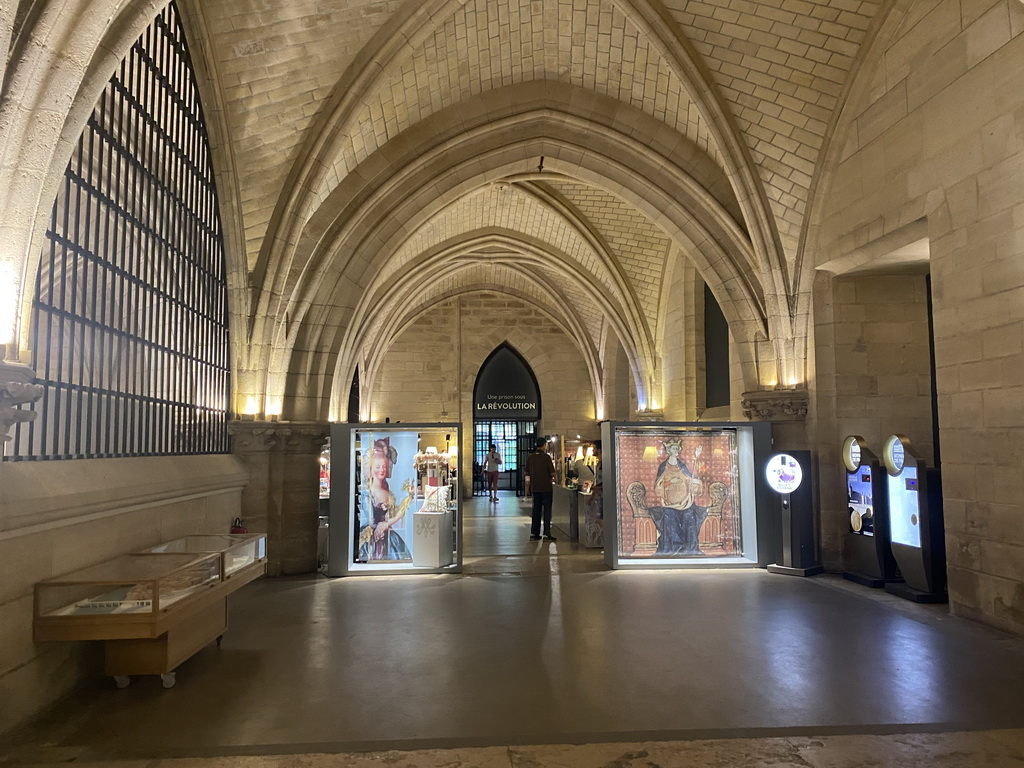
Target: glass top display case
(239,550)
(141,584)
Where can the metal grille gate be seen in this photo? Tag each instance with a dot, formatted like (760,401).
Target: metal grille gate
(129,326)
(514,441)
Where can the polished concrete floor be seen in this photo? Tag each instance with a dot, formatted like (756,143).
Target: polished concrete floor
(538,644)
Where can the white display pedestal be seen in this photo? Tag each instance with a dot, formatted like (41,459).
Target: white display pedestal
(432,539)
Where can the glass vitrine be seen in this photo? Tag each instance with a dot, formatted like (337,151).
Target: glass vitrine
(239,550)
(137,584)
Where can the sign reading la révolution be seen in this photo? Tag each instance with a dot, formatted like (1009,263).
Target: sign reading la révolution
(506,403)
(505,388)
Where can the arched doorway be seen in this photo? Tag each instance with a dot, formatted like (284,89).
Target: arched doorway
(506,409)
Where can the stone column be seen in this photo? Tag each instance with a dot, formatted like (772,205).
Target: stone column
(282,497)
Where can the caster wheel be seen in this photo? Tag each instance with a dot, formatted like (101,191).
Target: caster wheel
(122,681)
(220,639)
(168,680)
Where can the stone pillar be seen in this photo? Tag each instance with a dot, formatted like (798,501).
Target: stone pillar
(282,497)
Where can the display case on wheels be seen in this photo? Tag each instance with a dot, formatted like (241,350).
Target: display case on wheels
(153,609)
(395,499)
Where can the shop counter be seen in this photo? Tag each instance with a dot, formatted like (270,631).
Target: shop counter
(565,514)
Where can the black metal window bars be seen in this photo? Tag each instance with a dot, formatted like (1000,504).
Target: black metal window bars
(130,321)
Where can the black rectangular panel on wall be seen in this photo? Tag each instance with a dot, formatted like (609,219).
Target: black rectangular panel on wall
(716,352)
(129,328)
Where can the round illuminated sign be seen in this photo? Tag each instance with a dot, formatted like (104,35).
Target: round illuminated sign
(852,452)
(894,454)
(783,473)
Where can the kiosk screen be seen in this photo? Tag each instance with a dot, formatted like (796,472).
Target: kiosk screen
(859,502)
(904,508)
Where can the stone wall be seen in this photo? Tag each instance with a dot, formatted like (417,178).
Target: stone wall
(441,354)
(59,516)
(934,132)
(872,339)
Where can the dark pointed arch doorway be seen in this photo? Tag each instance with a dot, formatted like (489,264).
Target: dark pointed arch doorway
(506,410)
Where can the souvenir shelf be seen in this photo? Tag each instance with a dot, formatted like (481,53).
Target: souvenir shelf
(153,609)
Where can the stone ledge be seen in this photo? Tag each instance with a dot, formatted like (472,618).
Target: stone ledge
(38,492)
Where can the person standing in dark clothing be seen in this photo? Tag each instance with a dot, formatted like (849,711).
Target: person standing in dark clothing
(541,470)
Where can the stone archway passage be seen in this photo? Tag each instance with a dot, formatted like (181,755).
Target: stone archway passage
(506,411)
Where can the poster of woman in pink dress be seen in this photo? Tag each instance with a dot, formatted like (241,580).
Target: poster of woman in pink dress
(678,493)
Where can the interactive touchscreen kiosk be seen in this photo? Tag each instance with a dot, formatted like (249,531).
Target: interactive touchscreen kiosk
(915,517)
(788,475)
(868,548)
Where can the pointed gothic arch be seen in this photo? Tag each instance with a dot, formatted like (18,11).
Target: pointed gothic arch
(504,384)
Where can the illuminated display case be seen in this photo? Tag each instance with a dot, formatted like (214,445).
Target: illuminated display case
(684,495)
(395,503)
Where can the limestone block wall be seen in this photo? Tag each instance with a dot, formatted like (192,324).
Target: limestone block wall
(935,131)
(435,362)
(872,339)
(59,516)
(419,378)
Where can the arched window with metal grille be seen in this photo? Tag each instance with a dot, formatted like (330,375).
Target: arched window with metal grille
(130,318)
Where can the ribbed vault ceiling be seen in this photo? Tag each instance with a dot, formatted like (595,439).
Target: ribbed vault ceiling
(327,105)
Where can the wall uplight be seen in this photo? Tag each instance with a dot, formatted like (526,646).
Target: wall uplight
(251,407)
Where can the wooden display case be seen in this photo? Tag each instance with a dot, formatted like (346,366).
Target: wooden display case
(153,609)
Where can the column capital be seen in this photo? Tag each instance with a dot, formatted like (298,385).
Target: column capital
(17,386)
(249,436)
(776,405)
